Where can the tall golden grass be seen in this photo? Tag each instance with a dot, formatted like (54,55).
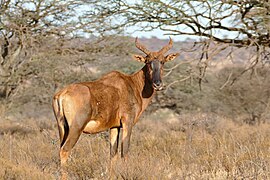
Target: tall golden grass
(163,146)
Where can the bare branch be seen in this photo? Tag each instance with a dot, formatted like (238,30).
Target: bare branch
(176,81)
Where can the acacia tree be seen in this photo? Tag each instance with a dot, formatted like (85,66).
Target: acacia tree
(245,21)
(25,25)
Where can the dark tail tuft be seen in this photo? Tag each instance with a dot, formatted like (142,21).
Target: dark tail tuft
(61,119)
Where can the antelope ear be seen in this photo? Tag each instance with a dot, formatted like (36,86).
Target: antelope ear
(171,57)
(138,58)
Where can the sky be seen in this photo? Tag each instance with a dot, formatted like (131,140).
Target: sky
(156,33)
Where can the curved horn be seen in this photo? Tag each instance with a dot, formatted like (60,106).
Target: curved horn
(167,47)
(141,47)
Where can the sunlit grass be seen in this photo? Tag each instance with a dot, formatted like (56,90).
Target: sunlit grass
(201,146)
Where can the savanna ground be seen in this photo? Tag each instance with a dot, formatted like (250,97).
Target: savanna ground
(163,146)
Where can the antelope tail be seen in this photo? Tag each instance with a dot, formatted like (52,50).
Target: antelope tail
(61,119)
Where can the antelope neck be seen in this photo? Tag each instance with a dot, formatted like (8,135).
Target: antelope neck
(143,82)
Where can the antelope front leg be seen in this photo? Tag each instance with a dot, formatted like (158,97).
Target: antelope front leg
(126,133)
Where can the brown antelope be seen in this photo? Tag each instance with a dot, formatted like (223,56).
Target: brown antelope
(114,102)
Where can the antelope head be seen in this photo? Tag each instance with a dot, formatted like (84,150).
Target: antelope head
(154,62)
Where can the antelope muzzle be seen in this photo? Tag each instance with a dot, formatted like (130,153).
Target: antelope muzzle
(156,76)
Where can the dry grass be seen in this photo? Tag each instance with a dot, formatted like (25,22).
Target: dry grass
(163,146)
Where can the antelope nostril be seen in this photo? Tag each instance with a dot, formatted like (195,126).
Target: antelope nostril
(157,83)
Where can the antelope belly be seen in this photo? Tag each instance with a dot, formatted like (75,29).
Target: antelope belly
(93,127)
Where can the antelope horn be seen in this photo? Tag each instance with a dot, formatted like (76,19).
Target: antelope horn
(166,48)
(141,47)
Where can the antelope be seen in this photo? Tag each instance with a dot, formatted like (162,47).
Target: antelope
(113,102)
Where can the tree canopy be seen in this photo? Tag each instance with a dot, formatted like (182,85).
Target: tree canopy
(240,23)
(25,25)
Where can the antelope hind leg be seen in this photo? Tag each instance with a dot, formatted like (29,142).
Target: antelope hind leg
(72,138)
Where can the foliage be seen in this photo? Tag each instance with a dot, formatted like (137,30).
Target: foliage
(249,97)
